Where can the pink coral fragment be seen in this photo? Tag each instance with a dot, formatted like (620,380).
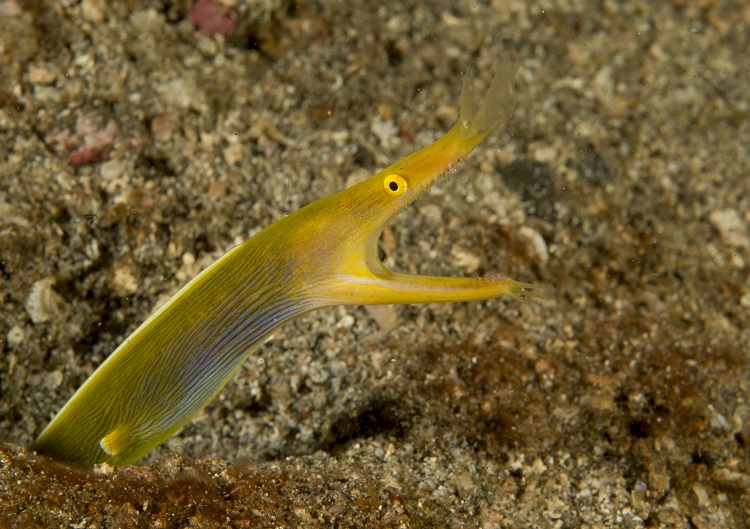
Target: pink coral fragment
(85,155)
(97,141)
(213,18)
(10,8)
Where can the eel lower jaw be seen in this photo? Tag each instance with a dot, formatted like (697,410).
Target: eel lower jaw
(364,280)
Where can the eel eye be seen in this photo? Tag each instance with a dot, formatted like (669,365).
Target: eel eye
(394,185)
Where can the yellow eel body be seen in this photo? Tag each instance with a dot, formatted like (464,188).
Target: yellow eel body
(325,254)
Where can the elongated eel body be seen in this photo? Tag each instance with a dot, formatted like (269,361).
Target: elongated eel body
(325,254)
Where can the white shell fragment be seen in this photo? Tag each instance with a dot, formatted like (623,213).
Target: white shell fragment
(44,304)
(731,227)
(535,244)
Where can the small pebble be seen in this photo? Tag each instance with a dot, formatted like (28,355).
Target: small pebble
(124,282)
(15,336)
(93,11)
(347,322)
(41,75)
(104,469)
(44,304)
(233,153)
(162,127)
(731,228)
(466,259)
(10,8)
(384,315)
(536,246)
(112,169)
(54,379)
(384,130)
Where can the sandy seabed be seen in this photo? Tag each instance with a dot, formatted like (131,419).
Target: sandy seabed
(137,149)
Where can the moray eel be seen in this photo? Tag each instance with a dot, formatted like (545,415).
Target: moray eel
(325,254)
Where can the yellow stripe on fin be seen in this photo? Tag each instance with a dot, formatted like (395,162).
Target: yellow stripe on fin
(116,441)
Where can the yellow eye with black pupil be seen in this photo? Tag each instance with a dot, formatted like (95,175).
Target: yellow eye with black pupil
(394,184)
